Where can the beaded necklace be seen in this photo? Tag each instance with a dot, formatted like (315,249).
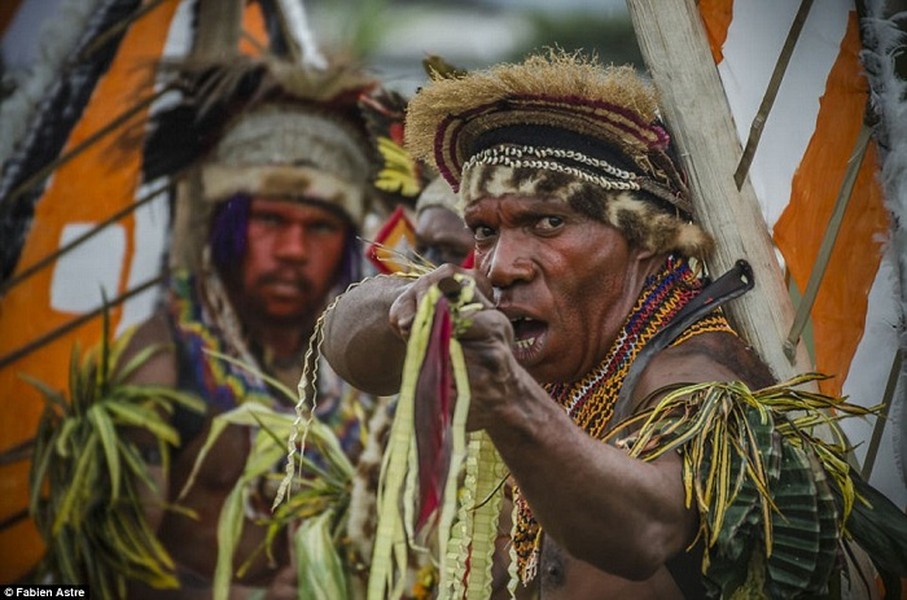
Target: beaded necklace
(590,401)
(199,330)
(205,326)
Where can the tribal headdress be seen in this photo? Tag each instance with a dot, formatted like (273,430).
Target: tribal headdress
(262,127)
(563,126)
(437,193)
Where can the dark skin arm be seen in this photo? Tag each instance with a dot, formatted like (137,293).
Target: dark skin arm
(622,515)
(359,341)
(365,332)
(159,369)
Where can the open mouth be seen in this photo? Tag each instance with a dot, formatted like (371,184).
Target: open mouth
(282,292)
(528,334)
(286,286)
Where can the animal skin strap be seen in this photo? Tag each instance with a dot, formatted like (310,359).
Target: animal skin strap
(736,282)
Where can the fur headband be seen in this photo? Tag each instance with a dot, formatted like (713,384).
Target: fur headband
(438,193)
(644,224)
(285,150)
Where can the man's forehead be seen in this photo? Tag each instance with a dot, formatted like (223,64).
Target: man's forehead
(519,203)
(295,205)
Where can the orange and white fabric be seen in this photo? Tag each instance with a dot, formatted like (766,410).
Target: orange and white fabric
(797,172)
(81,194)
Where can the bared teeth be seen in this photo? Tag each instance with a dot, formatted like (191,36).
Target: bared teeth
(525,344)
(525,331)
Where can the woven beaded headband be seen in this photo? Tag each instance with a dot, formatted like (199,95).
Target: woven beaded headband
(555,159)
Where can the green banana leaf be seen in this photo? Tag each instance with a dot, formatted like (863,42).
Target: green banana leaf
(321,570)
(776,500)
(84,475)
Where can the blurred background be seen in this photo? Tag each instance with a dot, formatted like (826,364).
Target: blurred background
(75,216)
(394,35)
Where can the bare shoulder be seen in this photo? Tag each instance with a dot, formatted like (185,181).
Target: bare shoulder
(160,366)
(714,356)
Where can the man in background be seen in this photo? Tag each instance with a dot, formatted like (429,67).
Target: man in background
(265,234)
(441,235)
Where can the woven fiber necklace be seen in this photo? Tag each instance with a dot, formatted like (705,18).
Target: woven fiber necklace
(590,401)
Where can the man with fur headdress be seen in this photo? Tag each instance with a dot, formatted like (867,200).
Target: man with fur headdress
(265,233)
(441,236)
(594,308)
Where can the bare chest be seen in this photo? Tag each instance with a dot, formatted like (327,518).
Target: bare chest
(561,576)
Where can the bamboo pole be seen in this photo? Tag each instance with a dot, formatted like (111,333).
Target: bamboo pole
(675,47)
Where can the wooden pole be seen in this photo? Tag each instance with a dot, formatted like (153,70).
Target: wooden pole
(303,47)
(675,47)
(219,29)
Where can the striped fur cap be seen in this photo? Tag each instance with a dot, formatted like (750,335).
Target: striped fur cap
(560,125)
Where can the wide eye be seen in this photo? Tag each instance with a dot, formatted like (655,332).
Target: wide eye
(482,232)
(549,223)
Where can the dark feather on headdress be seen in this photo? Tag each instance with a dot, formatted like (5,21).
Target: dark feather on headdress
(438,68)
(400,178)
(216,93)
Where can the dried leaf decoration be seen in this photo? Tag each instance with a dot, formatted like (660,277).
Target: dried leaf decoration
(85,474)
(464,470)
(314,515)
(775,500)
(437,67)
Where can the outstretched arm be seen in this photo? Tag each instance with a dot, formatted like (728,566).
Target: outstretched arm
(620,514)
(365,332)
(360,343)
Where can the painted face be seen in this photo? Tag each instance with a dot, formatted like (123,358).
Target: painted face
(563,279)
(442,237)
(292,260)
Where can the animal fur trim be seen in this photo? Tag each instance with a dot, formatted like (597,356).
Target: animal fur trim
(222,181)
(643,223)
(362,524)
(438,193)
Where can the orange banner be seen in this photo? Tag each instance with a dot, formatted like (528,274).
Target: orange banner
(86,190)
(837,315)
